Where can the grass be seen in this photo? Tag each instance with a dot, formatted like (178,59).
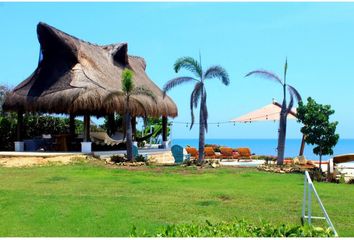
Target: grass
(88,199)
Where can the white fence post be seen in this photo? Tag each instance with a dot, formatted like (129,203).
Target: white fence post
(308,185)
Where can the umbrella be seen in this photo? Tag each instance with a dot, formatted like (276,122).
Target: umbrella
(270,112)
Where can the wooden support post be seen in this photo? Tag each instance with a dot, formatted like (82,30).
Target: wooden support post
(72,125)
(87,128)
(164,129)
(19,126)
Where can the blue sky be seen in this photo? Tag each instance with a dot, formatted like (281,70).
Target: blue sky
(317,38)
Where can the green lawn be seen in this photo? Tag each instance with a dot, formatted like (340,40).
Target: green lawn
(93,200)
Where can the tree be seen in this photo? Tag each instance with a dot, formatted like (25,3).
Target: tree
(198,93)
(284,108)
(3,92)
(318,130)
(154,124)
(130,94)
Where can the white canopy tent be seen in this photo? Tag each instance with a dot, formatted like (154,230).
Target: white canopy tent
(270,112)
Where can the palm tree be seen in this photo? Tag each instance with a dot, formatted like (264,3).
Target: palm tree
(284,108)
(199,92)
(130,93)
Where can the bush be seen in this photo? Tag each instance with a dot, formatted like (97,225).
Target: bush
(240,228)
(118,159)
(140,158)
(7,133)
(351,181)
(34,125)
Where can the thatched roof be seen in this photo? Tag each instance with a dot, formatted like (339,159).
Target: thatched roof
(75,76)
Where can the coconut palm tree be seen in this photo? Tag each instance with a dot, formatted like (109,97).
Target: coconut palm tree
(130,93)
(284,108)
(198,93)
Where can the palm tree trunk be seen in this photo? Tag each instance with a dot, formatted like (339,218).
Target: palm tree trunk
(128,126)
(201,132)
(320,165)
(282,134)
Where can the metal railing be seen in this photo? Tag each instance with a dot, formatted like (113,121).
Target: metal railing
(309,188)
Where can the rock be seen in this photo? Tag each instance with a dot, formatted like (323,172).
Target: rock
(215,165)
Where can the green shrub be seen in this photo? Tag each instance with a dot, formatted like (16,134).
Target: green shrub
(7,133)
(239,228)
(351,181)
(140,158)
(34,126)
(118,159)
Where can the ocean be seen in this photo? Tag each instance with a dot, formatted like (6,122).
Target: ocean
(268,146)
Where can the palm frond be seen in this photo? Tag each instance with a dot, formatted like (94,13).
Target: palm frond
(297,95)
(291,103)
(127,80)
(175,82)
(197,93)
(112,95)
(189,64)
(145,92)
(194,100)
(138,102)
(265,74)
(192,111)
(217,72)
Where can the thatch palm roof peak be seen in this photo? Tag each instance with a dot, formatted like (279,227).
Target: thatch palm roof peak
(75,76)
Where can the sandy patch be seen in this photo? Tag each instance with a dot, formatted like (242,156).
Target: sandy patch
(38,161)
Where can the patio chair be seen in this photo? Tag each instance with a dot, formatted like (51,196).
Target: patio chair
(209,152)
(193,152)
(228,153)
(245,153)
(177,153)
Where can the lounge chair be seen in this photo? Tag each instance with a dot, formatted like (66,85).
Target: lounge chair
(228,153)
(177,153)
(245,153)
(193,152)
(102,138)
(209,152)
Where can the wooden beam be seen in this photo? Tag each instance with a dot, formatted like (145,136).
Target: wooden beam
(72,124)
(87,128)
(164,128)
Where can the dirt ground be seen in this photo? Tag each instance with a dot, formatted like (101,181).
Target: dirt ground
(38,161)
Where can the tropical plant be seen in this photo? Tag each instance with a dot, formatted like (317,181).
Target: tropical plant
(153,127)
(317,129)
(3,91)
(237,228)
(130,94)
(112,123)
(285,109)
(34,126)
(199,91)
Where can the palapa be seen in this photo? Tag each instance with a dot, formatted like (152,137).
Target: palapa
(74,77)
